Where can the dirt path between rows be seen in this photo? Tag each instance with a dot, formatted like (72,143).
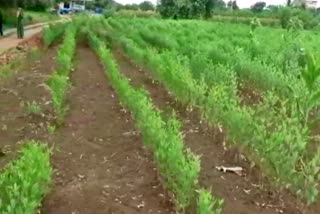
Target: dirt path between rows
(100,166)
(24,86)
(12,42)
(248,194)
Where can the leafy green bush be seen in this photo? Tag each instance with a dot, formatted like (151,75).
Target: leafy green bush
(245,20)
(206,204)
(24,182)
(109,12)
(9,17)
(53,33)
(309,19)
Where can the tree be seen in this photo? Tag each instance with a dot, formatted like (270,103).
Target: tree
(167,8)
(219,4)
(259,6)
(233,5)
(189,8)
(131,7)
(31,5)
(103,3)
(288,3)
(229,4)
(213,4)
(146,5)
(285,15)
(197,8)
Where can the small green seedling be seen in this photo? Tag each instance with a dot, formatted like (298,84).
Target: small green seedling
(52,129)
(207,204)
(33,108)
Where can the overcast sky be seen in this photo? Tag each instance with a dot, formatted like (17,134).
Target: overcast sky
(241,3)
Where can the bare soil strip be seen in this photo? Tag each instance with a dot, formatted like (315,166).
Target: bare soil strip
(101,166)
(248,194)
(27,86)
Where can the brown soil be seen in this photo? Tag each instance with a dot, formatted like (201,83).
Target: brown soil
(251,193)
(100,164)
(248,94)
(20,52)
(15,124)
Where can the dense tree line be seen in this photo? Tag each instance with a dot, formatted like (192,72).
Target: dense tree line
(41,5)
(259,6)
(144,6)
(189,8)
(38,5)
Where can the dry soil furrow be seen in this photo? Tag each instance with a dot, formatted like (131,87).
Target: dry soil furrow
(26,86)
(100,166)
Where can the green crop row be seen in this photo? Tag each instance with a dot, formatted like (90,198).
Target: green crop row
(258,71)
(25,181)
(271,130)
(252,62)
(66,52)
(178,166)
(267,65)
(252,71)
(53,33)
(59,82)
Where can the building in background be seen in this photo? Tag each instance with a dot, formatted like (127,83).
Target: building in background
(73,6)
(306,3)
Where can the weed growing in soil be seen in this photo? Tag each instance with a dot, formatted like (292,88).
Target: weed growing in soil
(8,70)
(24,182)
(5,72)
(53,33)
(310,75)
(51,129)
(33,108)
(206,204)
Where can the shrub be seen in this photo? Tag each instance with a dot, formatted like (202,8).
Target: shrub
(24,182)
(53,33)
(109,12)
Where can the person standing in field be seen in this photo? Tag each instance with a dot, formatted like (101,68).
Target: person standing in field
(20,30)
(1,23)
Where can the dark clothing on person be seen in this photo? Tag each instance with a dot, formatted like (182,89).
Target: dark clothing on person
(175,17)
(1,24)
(20,30)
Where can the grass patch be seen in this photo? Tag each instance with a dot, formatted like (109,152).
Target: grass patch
(25,181)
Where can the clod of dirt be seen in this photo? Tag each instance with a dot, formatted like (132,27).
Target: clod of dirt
(4,127)
(2,153)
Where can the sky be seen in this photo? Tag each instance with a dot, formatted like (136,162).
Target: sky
(241,3)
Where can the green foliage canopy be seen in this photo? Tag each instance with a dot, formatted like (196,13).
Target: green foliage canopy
(189,8)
